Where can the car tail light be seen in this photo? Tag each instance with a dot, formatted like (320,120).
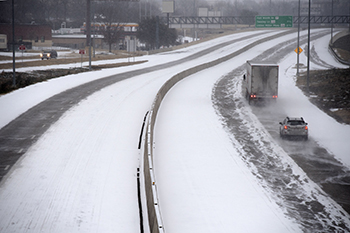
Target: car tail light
(274,96)
(306,128)
(252,96)
(285,127)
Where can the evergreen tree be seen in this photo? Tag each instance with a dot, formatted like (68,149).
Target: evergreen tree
(147,33)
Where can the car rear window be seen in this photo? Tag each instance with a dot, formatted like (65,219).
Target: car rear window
(295,122)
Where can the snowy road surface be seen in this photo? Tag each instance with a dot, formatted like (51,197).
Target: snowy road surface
(197,181)
(80,176)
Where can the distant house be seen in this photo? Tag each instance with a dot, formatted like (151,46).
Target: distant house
(28,34)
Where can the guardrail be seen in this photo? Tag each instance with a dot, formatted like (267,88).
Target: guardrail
(331,48)
(154,214)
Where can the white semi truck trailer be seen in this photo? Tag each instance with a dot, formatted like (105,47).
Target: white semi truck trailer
(261,81)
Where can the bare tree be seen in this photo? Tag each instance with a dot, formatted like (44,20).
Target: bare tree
(107,14)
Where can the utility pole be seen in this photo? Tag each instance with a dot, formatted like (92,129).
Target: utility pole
(298,39)
(332,25)
(194,15)
(308,49)
(88,29)
(157,32)
(94,31)
(13,45)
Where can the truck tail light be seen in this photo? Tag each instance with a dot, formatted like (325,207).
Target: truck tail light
(274,96)
(253,96)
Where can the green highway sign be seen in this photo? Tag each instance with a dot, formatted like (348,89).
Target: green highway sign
(273,21)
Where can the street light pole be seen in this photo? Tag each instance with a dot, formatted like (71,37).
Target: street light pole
(157,32)
(308,49)
(88,29)
(332,25)
(13,45)
(298,39)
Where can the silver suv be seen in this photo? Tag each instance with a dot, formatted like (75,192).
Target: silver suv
(294,127)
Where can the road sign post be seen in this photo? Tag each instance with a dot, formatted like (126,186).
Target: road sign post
(81,52)
(273,21)
(22,48)
(298,51)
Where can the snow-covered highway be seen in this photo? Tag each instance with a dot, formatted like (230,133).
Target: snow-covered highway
(80,175)
(203,181)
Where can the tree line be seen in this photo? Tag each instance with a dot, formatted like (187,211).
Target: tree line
(73,13)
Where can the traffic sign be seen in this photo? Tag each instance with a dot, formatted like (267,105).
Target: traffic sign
(273,21)
(298,52)
(81,52)
(22,47)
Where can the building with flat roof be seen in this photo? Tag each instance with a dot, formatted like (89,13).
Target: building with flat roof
(28,34)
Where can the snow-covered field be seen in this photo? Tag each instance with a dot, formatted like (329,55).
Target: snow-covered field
(80,176)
